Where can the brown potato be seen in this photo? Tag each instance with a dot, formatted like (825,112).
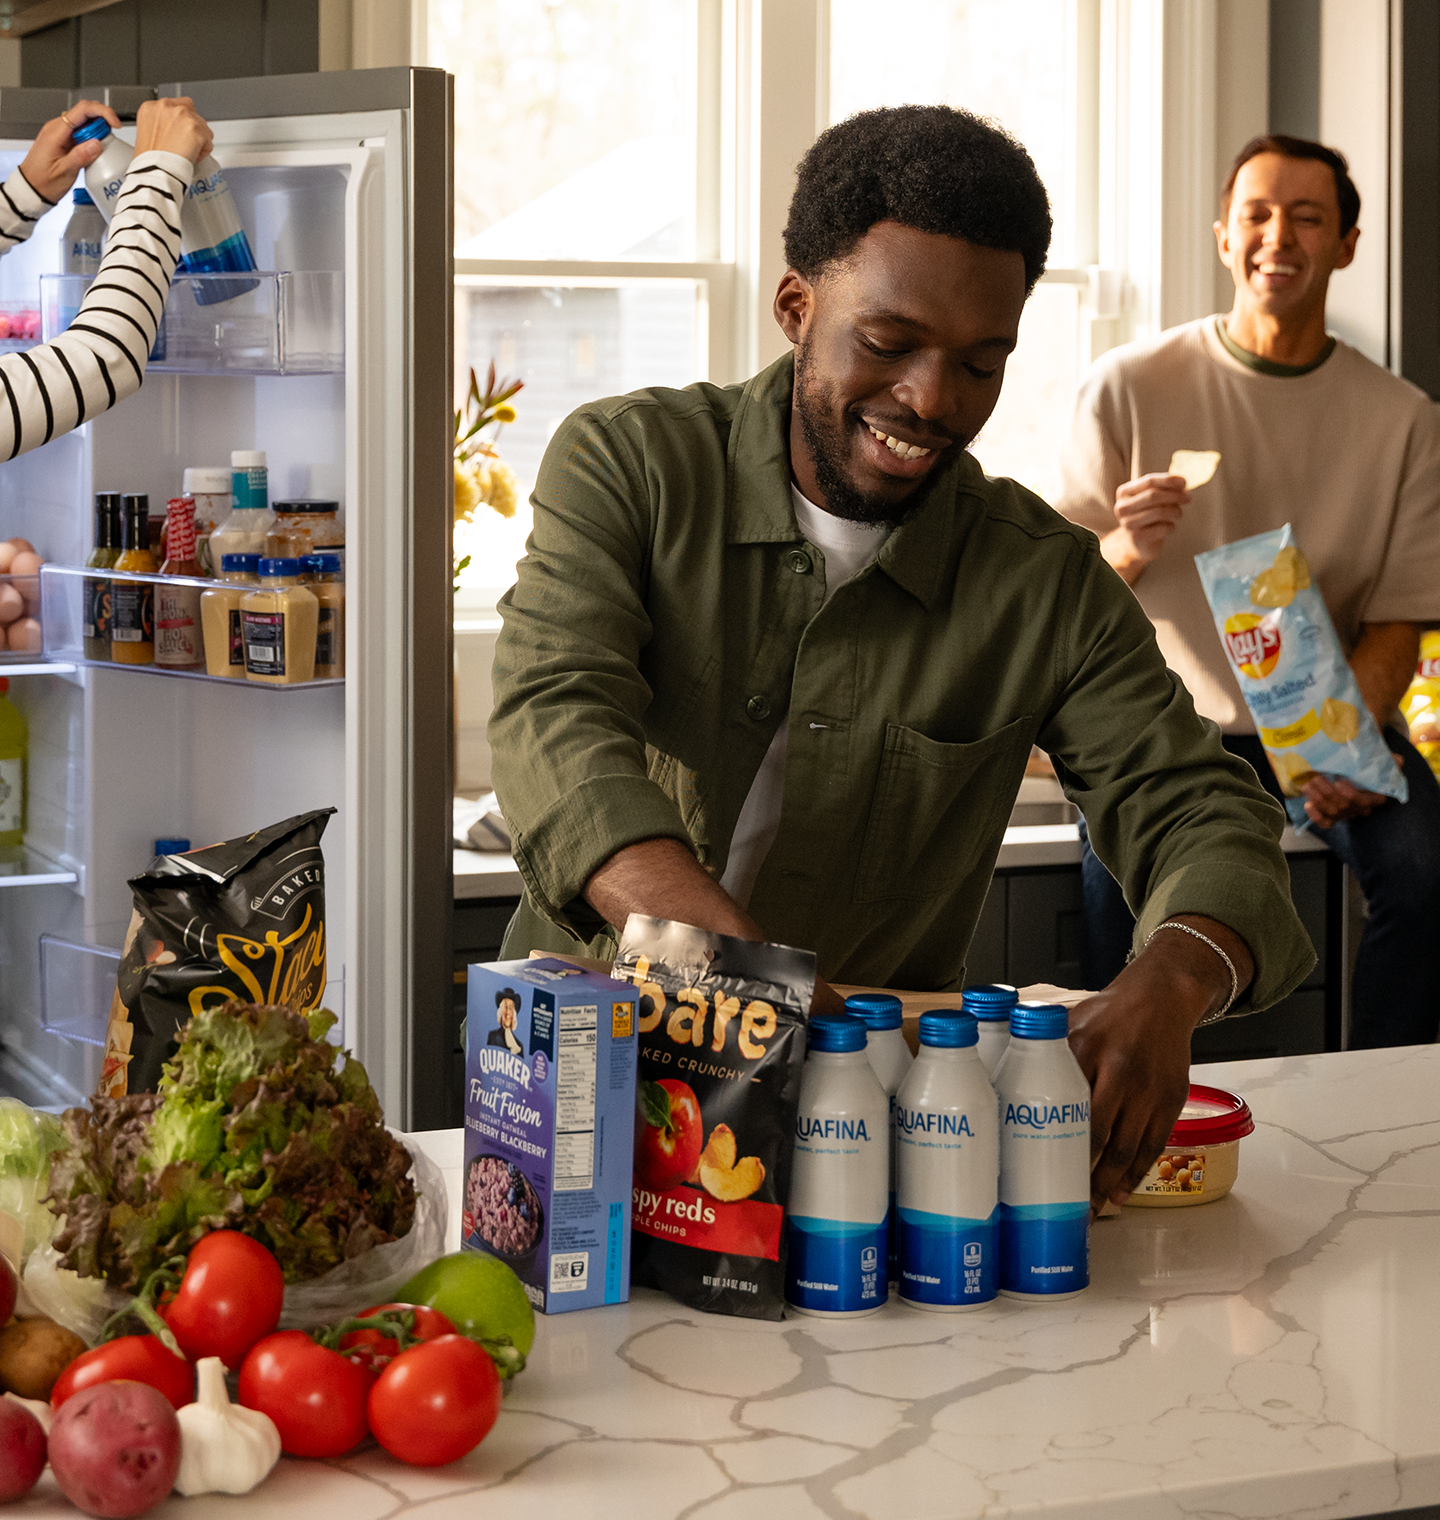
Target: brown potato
(33,1353)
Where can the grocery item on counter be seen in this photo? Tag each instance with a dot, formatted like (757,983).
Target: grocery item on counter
(949,1143)
(28,1138)
(480,1297)
(1044,1104)
(991,1005)
(22,1450)
(244,919)
(14,748)
(329,591)
(224,1447)
(549,1116)
(278,622)
(132,603)
(224,639)
(115,1449)
(1202,1157)
(320,518)
(34,1354)
(722,1046)
(210,486)
(836,1218)
(1421,703)
(178,638)
(96,592)
(883,1015)
(1294,676)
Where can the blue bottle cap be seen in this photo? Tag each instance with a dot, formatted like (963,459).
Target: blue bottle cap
(949,1029)
(991,1002)
(836,1033)
(96,127)
(880,1010)
(171,846)
(249,563)
(1040,1021)
(82,196)
(279,567)
(322,564)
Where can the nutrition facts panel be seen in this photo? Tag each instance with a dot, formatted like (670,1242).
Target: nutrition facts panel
(575,1099)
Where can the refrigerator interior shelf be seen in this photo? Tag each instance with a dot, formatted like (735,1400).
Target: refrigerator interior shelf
(24,867)
(200,675)
(38,668)
(259,323)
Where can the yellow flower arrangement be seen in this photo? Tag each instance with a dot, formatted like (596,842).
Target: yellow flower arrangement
(481,476)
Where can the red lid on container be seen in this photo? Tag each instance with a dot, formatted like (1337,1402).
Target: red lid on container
(1211,1116)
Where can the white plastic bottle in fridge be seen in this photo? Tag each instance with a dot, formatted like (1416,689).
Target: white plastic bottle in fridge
(1044,1106)
(890,1059)
(212,238)
(991,1006)
(839,1181)
(949,1147)
(244,530)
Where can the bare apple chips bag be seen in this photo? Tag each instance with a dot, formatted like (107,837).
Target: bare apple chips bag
(722,1044)
(1292,672)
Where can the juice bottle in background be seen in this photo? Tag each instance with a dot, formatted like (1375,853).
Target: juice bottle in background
(882,1014)
(14,739)
(132,626)
(279,621)
(329,591)
(96,591)
(1421,704)
(220,615)
(178,644)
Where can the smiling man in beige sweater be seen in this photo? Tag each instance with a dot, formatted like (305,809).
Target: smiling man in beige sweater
(1311,433)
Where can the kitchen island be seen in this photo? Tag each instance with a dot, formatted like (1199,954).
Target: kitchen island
(1276,1353)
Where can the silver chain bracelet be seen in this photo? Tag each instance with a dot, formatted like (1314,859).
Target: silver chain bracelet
(1229,965)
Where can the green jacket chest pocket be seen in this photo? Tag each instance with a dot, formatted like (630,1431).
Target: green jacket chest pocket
(937,810)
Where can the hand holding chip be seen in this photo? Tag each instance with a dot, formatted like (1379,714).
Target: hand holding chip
(1148,509)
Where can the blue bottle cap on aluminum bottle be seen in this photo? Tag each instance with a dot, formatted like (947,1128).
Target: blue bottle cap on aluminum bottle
(949,1029)
(990,1003)
(97,126)
(880,1010)
(171,846)
(836,1033)
(1040,1021)
(82,197)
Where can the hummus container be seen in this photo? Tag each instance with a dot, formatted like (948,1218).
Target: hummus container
(1202,1158)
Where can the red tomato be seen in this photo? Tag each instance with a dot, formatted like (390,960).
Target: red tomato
(435,1402)
(315,1397)
(374,1351)
(130,1358)
(228,1298)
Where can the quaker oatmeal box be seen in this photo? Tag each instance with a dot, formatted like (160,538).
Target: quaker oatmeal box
(549,1129)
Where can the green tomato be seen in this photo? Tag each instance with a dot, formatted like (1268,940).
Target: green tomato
(479,1295)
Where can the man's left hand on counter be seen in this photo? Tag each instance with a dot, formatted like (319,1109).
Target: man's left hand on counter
(1133,1044)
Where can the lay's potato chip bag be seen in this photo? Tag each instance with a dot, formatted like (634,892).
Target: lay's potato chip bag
(1292,672)
(1421,704)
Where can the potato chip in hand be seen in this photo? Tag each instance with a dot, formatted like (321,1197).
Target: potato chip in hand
(1195,465)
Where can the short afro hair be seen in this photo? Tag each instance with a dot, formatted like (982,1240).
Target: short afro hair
(933,168)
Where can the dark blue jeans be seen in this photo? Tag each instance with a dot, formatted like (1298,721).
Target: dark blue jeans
(1395,855)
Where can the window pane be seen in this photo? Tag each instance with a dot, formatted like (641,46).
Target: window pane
(574,126)
(570,345)
(1007,59)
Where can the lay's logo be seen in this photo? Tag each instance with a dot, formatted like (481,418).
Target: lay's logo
(1428,670)
(1253,644)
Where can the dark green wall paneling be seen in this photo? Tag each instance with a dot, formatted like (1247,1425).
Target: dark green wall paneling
(109,45)
(1295,67)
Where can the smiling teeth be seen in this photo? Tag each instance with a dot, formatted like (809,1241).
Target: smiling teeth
(896,447)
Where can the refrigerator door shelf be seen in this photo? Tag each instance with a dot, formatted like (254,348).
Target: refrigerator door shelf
(287,323)
(25,867)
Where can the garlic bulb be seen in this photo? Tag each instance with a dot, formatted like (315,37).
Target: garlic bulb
(224,1448)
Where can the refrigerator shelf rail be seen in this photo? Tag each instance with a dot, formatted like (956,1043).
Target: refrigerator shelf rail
(27,867)
(290,322)
(61,618)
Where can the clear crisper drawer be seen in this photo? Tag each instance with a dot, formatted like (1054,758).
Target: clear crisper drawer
(259,323)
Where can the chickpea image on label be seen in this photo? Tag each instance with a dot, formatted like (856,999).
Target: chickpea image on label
(1339,721)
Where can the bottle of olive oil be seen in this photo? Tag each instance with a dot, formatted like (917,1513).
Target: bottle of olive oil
(97,589)
(14,741)
(132,627)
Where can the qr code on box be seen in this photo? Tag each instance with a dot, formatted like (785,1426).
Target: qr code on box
(570,1273)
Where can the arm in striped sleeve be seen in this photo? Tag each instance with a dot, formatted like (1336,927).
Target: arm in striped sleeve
(21,206)
(100,358)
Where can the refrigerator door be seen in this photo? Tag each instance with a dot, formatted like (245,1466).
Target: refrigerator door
(335,173)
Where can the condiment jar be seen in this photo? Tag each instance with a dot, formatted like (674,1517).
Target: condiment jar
(1202,1159)
(317,517)
(278,623)
(220,616)
(329,591)
(210,486)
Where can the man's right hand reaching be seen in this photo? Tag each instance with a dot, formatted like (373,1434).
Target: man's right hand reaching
(1148,510)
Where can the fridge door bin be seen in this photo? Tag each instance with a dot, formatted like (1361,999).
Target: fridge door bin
(62,620)
(19,612)
(76,984)
(286,323)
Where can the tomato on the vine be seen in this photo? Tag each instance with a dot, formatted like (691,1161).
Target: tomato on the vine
(435,1402)
(315,1396)
(374,1350)
(229,1297)
(130,1358)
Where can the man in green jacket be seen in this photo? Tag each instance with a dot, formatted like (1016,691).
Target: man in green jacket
(778,652)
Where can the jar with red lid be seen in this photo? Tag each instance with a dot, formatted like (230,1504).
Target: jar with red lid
(1202,1158)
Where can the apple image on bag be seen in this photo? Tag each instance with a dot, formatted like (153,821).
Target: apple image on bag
(668,1134)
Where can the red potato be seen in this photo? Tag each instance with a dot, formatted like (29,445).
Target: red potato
(25,634)
(26,562)
(22,1450)
(115,1449)
(9,1290)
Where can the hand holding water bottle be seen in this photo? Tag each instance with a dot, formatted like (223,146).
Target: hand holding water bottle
(54,159)
(173,125)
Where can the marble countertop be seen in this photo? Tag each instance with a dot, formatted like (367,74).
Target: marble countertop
(1276,1353)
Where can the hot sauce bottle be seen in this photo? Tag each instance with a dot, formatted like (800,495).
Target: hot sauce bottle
(178,640)
(96,590)
(132,620)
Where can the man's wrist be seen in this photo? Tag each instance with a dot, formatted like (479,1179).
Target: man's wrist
(1207,966)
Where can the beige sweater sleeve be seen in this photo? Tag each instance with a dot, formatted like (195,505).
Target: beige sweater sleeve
(1095,457)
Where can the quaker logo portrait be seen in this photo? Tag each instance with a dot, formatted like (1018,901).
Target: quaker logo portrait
(507,1015)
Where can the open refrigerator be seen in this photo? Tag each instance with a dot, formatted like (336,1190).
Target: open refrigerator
(335,360)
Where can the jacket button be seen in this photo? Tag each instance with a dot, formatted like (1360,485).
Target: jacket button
(800,562)
(758,708)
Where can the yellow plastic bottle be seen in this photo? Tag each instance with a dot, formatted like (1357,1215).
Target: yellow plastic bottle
(279,622)
(14,741)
